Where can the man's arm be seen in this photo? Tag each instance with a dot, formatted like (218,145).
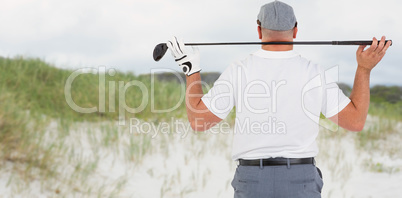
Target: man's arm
(199,116)
(353,116)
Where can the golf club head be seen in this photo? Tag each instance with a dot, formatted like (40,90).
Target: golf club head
(160,51)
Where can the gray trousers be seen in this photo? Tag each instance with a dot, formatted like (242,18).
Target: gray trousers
(277,181)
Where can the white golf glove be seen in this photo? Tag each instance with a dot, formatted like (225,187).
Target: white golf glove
(189,62)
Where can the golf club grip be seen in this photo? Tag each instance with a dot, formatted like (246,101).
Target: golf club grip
(356,42)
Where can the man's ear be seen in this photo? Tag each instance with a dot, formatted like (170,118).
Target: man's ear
(294,32)
(259,32)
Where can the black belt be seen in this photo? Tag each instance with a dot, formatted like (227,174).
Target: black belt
(276,161)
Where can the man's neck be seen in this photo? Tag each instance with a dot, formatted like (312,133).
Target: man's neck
(277,47)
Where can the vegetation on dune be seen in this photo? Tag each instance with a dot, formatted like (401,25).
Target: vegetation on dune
(32,95)
(385,101)
(21,139)
(39,87)
(390,94)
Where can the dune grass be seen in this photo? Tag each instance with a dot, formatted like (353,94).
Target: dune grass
(21,140)
(386,110)
(32,97)
(39,88)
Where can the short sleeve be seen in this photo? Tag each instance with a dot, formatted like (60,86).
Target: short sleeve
(334,100)
(220,98)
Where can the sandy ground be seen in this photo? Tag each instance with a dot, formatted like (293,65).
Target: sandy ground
(198,165)
(345,173)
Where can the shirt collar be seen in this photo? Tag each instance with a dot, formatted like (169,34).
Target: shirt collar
(275,54)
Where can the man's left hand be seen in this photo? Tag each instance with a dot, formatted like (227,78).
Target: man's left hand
(189,62)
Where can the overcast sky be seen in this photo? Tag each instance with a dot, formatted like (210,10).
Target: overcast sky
(122,33)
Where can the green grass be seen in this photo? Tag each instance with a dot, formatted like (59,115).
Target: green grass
(386,110)
(379,167)
(382,125)
(32,96)
(39,88)
(378,129)
(21,139)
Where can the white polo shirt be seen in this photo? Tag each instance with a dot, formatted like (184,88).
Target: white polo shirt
(278,98)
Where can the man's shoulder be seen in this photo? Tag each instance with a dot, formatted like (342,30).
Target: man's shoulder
(238,64)
(307,63)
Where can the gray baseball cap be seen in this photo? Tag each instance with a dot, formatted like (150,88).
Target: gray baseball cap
(277,16)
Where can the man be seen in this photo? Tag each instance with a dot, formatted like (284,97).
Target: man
(278,97)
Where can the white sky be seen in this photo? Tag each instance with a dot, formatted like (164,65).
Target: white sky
(122,33)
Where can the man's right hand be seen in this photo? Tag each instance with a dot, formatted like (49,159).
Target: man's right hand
(370,57)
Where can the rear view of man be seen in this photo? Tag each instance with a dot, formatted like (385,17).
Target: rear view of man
(279,96)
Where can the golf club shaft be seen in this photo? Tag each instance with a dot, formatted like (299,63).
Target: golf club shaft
(367,42)
(161,48)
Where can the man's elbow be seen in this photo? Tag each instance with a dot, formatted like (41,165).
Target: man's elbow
(356,126)
(200,126)
(197,126)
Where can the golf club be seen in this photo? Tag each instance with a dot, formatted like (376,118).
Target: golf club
(161,48)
